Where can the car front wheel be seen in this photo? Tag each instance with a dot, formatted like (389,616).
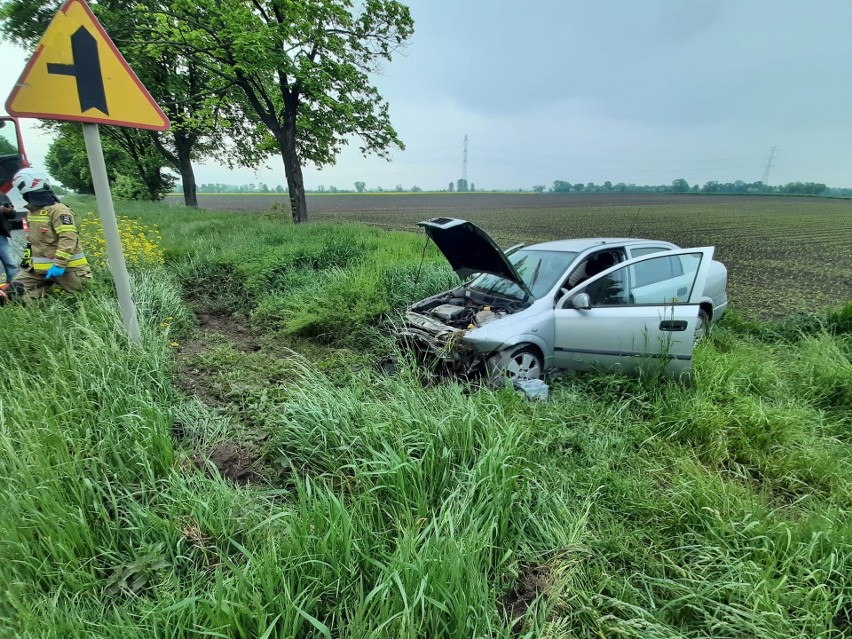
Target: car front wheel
(520,362)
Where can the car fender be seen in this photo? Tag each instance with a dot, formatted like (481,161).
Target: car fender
(529,327)
(530,338)
(715,291)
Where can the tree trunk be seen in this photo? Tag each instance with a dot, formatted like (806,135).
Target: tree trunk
(296,186)
(293,168)
(152,183)
(187,173)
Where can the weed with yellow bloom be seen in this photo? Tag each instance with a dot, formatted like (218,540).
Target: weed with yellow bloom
(141,243)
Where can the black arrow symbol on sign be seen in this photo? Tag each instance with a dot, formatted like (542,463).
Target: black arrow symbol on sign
(86,70)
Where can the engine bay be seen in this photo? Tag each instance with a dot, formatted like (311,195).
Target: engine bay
(462,309)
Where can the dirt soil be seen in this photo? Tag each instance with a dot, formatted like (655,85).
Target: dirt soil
(240,462)
(532,583)
(193,380)
(240,335)
(236,462)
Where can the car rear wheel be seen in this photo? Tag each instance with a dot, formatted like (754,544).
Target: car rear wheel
(520,362)
(702,329)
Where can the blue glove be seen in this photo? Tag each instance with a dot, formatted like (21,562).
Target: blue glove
(54,271)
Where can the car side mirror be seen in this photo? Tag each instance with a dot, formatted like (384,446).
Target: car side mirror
(581,301)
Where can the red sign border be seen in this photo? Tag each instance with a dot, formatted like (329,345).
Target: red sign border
(82,118)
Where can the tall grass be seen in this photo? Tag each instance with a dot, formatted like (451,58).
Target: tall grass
(386,508)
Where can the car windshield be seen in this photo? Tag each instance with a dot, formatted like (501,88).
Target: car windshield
(539,270)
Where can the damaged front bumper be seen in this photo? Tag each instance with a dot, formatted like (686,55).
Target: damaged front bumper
(436,339)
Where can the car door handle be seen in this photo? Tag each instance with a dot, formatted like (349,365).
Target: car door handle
(673,325)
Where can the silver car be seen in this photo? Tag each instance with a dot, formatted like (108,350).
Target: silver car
(583,304)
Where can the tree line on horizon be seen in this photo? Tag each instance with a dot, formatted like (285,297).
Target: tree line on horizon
(680,185)
(559,186)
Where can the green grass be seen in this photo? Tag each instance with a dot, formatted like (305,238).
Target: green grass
(383,507)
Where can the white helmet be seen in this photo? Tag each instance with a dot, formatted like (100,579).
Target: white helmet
(29,180)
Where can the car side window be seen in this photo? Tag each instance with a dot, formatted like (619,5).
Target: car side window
(653,271)
(647,250)
(657,280)
(592,265)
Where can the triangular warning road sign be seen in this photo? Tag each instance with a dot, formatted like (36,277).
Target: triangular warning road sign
(77,74)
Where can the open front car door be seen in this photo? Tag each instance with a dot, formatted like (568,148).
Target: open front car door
(639,314)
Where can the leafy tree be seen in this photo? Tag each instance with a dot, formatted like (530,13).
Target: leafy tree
(472,187)
(128,187)
(561,186)
(127,152)
(67,161)
(7,148)
(539,188)
(206,119)
(451,187)
(416,189)
(143,159)
(197,102)
(302,68)
(461,185)
(804,188)
(360,186)
(680,186)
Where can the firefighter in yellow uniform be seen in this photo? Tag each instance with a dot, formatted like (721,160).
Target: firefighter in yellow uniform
(55,252)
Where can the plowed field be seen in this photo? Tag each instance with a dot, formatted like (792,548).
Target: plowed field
(784,254)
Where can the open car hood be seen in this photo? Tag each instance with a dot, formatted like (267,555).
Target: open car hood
(470,250)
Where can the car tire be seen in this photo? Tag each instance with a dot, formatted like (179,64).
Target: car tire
(702,329)
(519,362)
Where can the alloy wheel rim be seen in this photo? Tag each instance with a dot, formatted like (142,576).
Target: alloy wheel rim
(524,366)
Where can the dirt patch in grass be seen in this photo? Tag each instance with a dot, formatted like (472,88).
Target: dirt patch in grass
(843,619)
(234,328)
(194,379)
(532,582)
(239,463)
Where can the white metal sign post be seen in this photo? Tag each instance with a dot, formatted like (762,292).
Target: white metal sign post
(78,74)
(117,265)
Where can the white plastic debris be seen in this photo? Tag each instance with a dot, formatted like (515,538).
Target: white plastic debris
(533,389)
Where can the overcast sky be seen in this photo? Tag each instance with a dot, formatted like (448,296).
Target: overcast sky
(616,90)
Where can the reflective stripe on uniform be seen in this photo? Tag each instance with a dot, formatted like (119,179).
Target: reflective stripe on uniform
(44,263)
(63,255)
(38,218)
(65,228)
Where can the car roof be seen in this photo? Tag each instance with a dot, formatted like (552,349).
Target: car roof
(578,245)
